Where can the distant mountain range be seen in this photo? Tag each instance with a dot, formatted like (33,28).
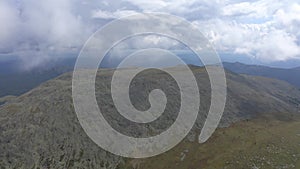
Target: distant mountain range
(15,83)
(291,76)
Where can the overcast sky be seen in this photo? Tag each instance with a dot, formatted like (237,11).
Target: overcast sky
(267,30)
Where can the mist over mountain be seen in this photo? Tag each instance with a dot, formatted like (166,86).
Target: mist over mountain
(15,81)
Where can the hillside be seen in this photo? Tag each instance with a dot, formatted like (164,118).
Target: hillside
(40,129)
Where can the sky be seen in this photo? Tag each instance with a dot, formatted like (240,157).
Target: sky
(37,32)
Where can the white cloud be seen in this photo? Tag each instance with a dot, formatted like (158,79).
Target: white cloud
(289,15)
(262,41)
(255,9)
(277,45)
(9,23)
(152,5)
(265,29)
(112,15)
(189,9)
(31,28)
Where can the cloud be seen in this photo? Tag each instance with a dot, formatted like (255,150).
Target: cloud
(267,30)
(264,29)
(277,45)
(189,9)
(9,24)
(264,42)
(255,9)
(152,6)
(289,19)
(33,28)
(112,15)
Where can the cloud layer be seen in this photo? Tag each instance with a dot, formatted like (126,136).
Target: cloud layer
(267,30)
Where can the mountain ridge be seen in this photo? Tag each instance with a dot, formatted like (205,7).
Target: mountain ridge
(291,75)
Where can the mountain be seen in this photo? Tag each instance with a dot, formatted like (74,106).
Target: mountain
(39,129)
(289,75)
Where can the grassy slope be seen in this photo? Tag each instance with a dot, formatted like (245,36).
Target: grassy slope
(265,143)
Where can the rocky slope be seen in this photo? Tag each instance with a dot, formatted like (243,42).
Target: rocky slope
(40,129)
